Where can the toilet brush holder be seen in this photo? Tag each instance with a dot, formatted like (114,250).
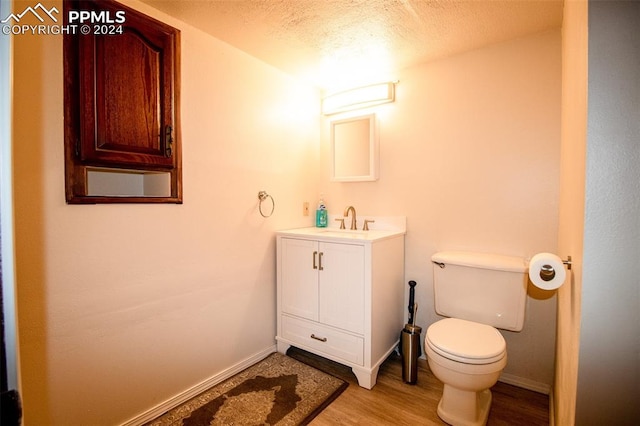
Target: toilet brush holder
(410,343)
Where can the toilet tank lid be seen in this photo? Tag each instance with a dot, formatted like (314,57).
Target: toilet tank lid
(497,262)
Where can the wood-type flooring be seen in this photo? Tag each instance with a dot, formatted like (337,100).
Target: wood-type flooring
(393,402)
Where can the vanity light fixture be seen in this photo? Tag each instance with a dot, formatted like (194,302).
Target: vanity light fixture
(360,97)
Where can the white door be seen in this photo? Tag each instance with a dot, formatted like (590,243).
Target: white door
(299,277)
(341,286)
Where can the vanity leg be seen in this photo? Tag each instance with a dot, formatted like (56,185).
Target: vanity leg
(283,347)
(366,378)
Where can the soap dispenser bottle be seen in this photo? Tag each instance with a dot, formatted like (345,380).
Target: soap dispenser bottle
(321,214)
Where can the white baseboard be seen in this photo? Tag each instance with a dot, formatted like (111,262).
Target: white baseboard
(183,397)
(521,382)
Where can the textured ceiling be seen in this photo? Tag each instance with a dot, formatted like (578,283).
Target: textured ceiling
(334,43)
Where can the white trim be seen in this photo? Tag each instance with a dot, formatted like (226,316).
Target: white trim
(529,384)
(183,397)
(521,382)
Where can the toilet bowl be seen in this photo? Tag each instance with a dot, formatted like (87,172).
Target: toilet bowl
(478,293)
(468,358)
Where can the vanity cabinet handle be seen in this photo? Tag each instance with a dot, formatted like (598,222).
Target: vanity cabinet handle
(322,339)
(319,257)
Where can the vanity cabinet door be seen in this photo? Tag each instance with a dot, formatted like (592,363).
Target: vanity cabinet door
(299,278)
(324,282)
(341,286)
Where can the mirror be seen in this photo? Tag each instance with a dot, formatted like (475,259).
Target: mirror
(354,149)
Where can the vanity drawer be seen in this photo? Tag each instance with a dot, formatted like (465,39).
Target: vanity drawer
(328,340)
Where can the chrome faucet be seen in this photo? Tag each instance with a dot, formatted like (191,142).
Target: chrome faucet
(354,221)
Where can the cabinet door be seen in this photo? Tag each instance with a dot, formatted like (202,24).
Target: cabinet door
(299,278)
(341,286)
(127,93)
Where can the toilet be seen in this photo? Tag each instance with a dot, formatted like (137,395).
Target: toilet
(478,293)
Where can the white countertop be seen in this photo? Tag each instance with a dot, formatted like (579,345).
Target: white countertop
(393,227)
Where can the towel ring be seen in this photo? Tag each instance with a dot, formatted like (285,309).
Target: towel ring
(262,196)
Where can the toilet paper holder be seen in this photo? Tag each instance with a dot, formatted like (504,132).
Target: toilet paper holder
(547,273)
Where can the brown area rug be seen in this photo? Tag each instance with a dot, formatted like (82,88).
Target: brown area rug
(276,391)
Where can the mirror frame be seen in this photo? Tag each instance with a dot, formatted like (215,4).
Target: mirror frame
(373,149)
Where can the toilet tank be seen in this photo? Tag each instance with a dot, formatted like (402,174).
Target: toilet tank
(486,288)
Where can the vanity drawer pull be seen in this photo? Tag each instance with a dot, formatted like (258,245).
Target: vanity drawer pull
(315,253)
(322,339)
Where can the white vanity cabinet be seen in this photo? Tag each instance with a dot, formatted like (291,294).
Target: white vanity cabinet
(341,296)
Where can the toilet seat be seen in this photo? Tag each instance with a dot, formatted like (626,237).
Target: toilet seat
(466,341)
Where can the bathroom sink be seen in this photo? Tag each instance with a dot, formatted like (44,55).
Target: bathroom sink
(336,234)
(382,227)
(347,233)
(328,231)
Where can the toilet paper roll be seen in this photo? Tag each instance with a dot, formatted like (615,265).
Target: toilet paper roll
(546,271)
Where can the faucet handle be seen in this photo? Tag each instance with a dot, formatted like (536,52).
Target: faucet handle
(366,224)
(341,220)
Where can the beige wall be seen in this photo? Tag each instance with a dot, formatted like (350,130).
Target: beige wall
(470,154)
(123,306)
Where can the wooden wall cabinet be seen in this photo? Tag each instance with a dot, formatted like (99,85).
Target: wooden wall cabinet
(121,105)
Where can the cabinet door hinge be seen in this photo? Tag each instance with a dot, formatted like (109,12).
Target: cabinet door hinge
(168,141)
